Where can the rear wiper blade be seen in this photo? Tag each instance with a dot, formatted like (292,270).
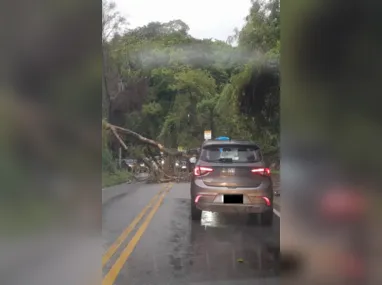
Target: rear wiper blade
(226,160)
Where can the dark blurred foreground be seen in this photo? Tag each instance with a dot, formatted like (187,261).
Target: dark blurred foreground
(331,142)
(50,142)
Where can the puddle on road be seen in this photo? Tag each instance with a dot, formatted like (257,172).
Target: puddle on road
(222,248)
(235,253)
(212,220)
(187,252)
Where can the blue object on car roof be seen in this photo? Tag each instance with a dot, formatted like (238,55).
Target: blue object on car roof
(223,138)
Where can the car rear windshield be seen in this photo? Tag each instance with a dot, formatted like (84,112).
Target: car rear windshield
(231,153)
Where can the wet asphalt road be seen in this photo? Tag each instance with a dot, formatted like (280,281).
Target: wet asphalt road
(172,249)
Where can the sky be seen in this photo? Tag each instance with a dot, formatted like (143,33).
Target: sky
(215,19)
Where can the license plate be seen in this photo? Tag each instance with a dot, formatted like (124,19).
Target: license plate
(228,171)
(233,199)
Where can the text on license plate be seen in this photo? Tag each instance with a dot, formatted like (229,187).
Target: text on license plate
(228,171)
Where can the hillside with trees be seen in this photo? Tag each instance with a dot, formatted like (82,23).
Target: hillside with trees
(167,86)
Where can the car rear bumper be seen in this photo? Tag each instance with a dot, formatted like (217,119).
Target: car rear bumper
(255,200)
(233,208)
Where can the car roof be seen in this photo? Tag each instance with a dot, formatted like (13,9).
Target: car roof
(230,142)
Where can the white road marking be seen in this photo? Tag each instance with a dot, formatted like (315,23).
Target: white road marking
(277,213)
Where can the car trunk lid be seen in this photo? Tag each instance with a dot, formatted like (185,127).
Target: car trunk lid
(234,175)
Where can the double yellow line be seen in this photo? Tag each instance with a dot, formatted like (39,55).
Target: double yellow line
(154,204)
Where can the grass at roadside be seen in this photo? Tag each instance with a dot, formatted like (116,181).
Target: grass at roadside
(274,171)
(118,177)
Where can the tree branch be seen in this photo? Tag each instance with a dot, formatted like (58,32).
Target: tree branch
(147,141)
(118,138)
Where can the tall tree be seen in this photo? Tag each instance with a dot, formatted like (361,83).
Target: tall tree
(112,23)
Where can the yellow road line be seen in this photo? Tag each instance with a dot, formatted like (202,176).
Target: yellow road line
(116,268)
(114,247)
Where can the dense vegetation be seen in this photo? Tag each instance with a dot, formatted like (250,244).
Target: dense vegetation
(166,85)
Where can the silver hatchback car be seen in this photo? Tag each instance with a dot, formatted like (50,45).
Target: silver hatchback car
(231,177)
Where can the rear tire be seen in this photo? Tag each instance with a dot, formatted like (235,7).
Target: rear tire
(266,218)
(196,214)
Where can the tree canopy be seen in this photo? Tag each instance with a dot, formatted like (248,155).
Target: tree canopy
(166,85)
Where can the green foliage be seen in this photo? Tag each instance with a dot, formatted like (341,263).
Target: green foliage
(152,109)
(115,178)
(262,29)
(111,175)
(194,85)
(108,164)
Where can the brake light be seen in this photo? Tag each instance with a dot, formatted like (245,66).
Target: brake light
(262,171)
(201,170)
(205,195)
(267,201)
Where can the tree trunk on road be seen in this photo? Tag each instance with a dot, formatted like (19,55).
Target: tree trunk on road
(159,173)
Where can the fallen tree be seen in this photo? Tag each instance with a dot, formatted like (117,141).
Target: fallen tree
(158,173)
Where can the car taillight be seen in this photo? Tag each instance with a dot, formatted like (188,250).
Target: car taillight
(201,170)
(262,171)
(267,201)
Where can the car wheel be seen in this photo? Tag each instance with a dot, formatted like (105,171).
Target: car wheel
(196,214)
(266,218)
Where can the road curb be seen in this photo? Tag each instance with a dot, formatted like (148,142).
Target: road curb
(127,182)
(277,206)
